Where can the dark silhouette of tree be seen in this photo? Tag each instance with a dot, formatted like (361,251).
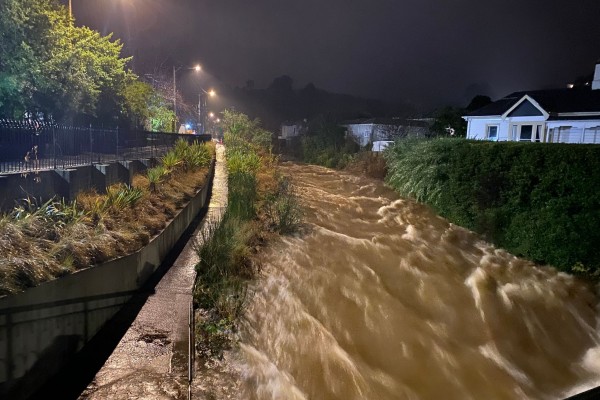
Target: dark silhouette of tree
(478,102)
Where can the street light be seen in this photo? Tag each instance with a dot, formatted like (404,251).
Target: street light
(196,68)
(202,104)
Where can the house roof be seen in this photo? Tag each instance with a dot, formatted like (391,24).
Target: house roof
(387,121)
(555,101)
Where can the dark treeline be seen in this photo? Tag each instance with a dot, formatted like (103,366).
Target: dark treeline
(280,102)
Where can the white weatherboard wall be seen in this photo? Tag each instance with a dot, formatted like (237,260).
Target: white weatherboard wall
(573,131)
(43,327)
(562,131)
(361,133)
(596,81)
(290,131)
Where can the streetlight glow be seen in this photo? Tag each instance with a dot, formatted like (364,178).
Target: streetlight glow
(198,68)
(212,93)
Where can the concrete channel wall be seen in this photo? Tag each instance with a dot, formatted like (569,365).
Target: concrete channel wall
(66,183)
(43,327)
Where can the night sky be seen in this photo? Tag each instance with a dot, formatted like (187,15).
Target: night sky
(425,52)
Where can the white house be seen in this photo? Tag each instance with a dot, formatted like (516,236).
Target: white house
(292,129)
(365,131)
(553,116)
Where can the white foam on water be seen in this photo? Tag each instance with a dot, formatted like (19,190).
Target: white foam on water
(265,380)
(490,351)
(477,283)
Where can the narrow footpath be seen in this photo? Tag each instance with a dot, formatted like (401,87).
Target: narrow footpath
(151,360)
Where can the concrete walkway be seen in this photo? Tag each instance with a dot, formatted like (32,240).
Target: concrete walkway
(151,360)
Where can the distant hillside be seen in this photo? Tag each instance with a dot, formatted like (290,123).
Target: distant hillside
(281,102)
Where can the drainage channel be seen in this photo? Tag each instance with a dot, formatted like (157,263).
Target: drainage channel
(146,351)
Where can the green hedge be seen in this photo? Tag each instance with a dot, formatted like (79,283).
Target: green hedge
(539,201)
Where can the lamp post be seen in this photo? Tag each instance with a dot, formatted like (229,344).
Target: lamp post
(197,68)
(202,106)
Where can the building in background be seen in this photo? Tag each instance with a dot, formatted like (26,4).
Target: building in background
(570,115)
(366,131)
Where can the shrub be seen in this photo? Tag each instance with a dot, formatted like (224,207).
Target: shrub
(171,161)
(197,156)
(155,176)
(540,201)
(119,197)
(282,208)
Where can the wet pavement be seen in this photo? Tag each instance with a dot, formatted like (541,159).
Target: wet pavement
(151,360)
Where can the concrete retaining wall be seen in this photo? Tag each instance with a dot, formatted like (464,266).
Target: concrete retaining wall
(40,329)
(66,183)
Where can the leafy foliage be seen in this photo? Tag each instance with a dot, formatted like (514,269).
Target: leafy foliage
(241,131)
(326,145)
(282,208)
(540,201)
(67,73)
(449,121)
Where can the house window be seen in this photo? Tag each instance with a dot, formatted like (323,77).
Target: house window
(492,132)
(526,131)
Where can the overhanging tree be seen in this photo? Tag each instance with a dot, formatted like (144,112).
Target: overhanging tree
(49,66)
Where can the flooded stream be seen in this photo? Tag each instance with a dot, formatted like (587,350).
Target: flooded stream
(382,299)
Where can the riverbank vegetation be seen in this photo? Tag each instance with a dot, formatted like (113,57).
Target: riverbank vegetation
(325,144)
(41,242)
(261,202)
(539,201)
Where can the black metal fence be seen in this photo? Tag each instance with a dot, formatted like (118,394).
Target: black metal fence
(30,146)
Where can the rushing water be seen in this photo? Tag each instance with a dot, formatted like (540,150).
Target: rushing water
(382,299)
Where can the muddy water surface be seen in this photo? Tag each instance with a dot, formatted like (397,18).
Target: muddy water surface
(382,299)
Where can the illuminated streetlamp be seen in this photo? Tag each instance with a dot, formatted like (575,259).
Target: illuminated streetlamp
(196,68)
(202,105)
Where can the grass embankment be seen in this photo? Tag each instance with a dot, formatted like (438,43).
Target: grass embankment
(43,242)
(539,201)
(260,203)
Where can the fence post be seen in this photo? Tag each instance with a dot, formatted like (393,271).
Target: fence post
(91,145)
(117,144)
(54,145)
(153,139)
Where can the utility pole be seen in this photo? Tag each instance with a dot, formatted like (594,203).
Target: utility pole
(200,113)
(174,100)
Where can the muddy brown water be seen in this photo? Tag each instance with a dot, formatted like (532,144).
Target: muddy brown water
(382,299)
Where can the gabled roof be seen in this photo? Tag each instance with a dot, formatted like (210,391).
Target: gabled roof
(554,102)
(387,121)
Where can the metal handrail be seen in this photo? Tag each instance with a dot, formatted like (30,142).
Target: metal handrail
(28,147)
